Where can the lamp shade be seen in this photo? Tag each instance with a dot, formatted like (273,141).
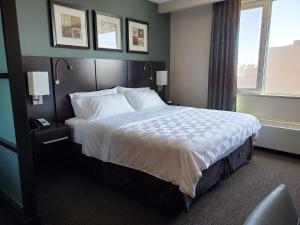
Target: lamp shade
(38,83)
(161,78)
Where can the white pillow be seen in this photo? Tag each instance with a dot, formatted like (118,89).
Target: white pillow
(100,107)
(78,95)
(94,93)
(122,90)
(140,100)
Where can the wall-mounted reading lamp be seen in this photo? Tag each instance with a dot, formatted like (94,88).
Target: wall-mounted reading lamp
(161,79)
(69,66)
(38,85)
(145,67)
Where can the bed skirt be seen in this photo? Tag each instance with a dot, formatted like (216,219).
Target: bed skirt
(160,194)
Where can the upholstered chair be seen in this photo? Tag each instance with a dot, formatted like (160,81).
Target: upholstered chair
(276,209)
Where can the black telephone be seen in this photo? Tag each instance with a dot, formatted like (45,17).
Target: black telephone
(38,123)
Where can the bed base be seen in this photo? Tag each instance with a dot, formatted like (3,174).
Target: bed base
(159,194)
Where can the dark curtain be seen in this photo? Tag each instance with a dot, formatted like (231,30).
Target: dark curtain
(222,85)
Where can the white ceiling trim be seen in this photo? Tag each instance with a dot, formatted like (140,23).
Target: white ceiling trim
(176,5)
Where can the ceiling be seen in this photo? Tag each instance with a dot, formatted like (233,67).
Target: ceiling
(167,6)
(160,1)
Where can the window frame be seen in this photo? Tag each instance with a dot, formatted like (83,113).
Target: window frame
(263,46)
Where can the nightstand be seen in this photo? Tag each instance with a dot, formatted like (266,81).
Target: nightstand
(50,145)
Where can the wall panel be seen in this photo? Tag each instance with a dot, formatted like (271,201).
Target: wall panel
(7,128)
(9,175)
(3,64)
(10,179)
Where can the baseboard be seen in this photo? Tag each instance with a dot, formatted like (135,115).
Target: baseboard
(15,210)
(277,152)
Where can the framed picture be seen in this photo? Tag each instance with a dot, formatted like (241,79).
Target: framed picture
(70,26)
(108,31)
(137,36)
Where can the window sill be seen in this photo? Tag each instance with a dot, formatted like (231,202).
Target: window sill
(270,95)
(284,124)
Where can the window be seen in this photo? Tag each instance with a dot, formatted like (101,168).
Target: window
(269,47)
(283,60)
(249,42)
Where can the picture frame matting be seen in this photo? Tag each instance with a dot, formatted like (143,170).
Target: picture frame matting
(137,36)
(110,22)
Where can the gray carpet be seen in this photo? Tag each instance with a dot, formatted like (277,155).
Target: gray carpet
(72,198)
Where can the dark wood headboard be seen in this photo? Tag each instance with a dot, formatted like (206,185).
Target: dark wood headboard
(111,73)
(80,78)
(86,75)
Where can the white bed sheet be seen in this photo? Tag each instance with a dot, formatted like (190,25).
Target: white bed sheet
(172,143)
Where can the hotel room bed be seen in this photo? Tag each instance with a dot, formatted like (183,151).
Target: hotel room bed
(161,195)
(167,156)
(184,166)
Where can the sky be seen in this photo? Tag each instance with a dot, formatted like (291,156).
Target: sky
(284,28)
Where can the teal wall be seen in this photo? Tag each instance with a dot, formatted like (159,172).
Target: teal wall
(34,28)
(9,162)
(7,128)
(3,66)
(10,175)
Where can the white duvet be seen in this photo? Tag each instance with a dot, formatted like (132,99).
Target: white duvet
(172,143)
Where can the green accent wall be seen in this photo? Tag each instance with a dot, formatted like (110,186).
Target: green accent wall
(10,176)
(36,38)
(3,65)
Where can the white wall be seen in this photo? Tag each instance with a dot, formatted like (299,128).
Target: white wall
(190,49)
(277,136)
(270,107)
